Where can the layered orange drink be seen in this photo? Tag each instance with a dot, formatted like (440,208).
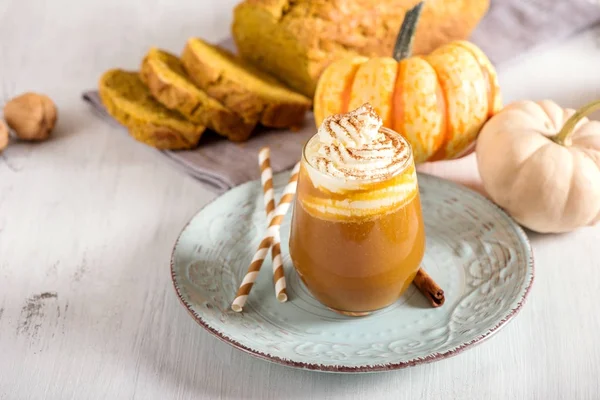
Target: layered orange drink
(357,234)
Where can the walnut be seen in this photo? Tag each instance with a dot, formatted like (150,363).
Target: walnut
(3,135)
(31,116)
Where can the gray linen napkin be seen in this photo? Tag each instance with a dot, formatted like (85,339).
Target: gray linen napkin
(510,28)
(222,164)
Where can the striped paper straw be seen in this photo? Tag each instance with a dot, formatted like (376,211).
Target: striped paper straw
(266,177)
(265,244)
(278,272)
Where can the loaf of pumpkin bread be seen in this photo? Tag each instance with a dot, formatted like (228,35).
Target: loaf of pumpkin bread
(249,92)
(165,77)
(294,40)
(127,99)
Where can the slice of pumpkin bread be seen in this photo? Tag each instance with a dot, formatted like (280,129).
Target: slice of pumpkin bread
(163,74)
(128,100)
(249,92)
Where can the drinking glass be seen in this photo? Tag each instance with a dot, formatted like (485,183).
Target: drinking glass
(357,248)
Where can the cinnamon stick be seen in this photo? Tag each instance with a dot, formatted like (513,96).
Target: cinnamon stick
(429,288)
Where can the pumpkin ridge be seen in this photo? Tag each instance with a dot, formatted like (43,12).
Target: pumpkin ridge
(374,83)
(445,127)
(592,154)
(487,76)
(531,155)
(397,108)
(347,91)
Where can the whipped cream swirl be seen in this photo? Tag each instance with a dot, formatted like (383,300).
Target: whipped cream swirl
(354,147)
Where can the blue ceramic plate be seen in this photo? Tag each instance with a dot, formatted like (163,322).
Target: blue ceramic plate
(475,252)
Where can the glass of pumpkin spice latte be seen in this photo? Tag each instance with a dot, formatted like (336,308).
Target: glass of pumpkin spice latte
(357,235)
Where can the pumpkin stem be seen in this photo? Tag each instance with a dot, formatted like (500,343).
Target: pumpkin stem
(564,136)
(404,41)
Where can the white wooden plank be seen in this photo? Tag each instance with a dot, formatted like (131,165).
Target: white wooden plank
(87,222)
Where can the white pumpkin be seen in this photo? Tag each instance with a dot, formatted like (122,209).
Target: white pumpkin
(541,164)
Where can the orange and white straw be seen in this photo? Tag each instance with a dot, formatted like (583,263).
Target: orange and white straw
(266,178)
(278,271)
(266,242)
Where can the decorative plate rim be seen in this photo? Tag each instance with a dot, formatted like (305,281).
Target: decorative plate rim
(365,368)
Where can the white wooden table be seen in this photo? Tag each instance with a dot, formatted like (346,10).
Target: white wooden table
(87,222)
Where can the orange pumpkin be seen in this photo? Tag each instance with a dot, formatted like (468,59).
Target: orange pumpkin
(438,102)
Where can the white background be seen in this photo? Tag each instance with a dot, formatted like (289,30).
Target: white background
(88,220)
